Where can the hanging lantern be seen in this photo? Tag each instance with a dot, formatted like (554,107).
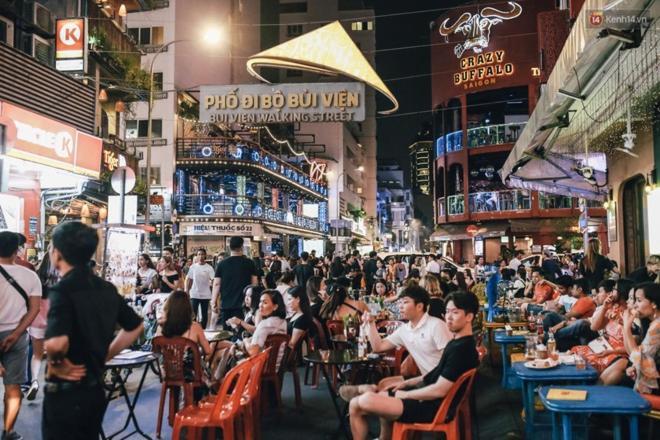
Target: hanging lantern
(103,96)
(122,10)
(103,213)
(52,220)
(120,107)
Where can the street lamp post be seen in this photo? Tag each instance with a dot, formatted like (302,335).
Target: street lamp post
(211,36)
(343,173)
(147,213)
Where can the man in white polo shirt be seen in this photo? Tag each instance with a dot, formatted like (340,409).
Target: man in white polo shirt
(198,286)
(424,337)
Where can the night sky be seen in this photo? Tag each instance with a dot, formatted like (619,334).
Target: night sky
(414,95)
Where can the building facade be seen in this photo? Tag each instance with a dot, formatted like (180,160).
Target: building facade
(483,99)
(395,210)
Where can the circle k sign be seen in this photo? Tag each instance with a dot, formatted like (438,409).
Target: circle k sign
(70,33)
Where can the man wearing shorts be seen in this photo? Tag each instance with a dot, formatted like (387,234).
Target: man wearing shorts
(20,293)
(417,400)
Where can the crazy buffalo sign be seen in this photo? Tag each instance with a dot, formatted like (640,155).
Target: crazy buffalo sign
(477,48)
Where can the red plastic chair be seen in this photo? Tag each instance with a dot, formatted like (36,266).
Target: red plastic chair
(444,421)
(223,412)
(173,351)
(271,374)
(250,403)
(654,414)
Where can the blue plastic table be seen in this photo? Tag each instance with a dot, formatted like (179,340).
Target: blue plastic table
(532,378)
(619,401)
(509,379)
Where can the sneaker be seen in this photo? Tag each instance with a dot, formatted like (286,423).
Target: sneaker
(32,391)
(347,392)
(11,435)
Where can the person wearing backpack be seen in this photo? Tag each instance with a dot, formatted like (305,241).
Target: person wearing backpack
(20,295)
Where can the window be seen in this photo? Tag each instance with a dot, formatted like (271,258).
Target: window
(139,129)
(293,30)
(6,31)
(293,8)
(155,175)
(362,26)
(294,73)
(148,36)
(158,81)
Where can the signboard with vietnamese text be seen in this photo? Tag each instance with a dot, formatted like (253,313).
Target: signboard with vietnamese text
(282,103)
(71,44)
(48,142)
(222,229)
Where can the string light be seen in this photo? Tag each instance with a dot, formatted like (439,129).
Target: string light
(293,151)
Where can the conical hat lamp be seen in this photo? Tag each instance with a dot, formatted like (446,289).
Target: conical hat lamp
(328,50)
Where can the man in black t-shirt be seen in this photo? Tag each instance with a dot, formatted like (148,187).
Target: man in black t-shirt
(80,337)
(370,268)
(232,276)
(304,271)
(417,400)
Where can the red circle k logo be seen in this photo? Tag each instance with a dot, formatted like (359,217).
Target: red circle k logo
(70,34)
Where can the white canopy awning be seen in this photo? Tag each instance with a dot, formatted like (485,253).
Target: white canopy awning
(547,153)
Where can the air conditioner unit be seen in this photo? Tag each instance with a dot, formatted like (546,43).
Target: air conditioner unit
(42,50)
(43,18)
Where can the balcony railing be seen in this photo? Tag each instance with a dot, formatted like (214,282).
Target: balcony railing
(495,201)
(552,201)
(217,205)
(453,141)
(456,204)
(494,134)
(246,153)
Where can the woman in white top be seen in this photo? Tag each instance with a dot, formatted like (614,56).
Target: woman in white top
(286,281)
(146,275)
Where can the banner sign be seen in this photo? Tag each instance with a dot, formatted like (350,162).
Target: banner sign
(282,103)
(49,142)
(70,44)
(222,229)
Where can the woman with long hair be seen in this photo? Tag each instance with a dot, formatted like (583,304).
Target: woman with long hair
(178,320)
(469,279)
(251,308)
(339,304)
(316,294)
(299,314)
(436,303)
(382,289)
(169,276)
(147,277)
(337,268)
(459,280)
(594,265)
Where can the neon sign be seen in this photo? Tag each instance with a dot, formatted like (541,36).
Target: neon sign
(482,70)
(476,28)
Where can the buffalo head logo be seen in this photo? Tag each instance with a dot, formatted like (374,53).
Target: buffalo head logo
(476,28)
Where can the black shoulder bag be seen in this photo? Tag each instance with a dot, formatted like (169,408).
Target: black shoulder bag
(16,286)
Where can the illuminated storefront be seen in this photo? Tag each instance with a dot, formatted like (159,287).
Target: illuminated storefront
(227,187)
(48,164)
(487,85)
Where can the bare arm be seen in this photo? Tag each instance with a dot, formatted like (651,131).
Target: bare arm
(378,344)
(215,294)
(189,283)
(598,320)
(628,339)
(123,340)
(295,336)
(23,324)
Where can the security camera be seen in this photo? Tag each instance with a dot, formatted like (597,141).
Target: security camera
(587,172)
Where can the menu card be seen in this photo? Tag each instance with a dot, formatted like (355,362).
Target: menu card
(564,394)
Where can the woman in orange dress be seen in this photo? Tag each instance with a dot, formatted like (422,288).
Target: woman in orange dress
(610,364)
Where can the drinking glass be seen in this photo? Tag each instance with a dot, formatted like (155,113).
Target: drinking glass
(580,363)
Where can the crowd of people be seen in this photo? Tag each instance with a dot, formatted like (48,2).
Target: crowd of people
(70,314)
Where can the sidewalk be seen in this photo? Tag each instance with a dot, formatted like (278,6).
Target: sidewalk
(498,412)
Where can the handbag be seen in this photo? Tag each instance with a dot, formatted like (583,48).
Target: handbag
(16,286)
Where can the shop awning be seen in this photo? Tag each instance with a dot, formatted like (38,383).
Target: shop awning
(562,130)
(458,232)
(280,229)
